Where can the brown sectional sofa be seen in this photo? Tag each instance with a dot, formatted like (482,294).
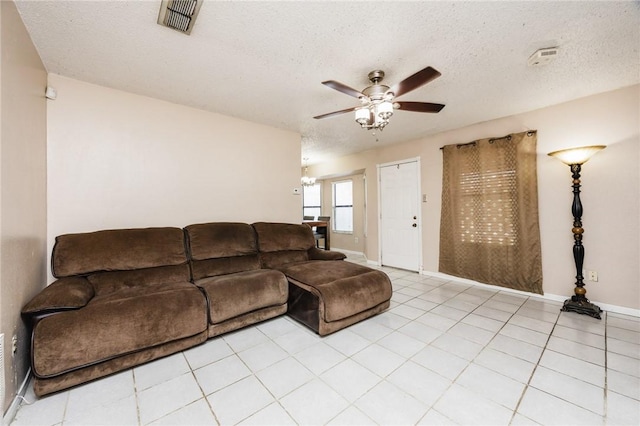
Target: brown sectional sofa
(126,297)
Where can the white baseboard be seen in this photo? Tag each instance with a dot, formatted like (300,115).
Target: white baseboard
(357,253)
(553,297)
(10,415)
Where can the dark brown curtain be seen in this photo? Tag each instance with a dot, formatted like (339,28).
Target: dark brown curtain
(489,229)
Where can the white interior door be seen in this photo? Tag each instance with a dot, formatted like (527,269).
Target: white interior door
(400,235)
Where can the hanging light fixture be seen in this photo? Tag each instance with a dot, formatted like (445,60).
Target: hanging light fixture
(377,100)
(306,180)
(377,104)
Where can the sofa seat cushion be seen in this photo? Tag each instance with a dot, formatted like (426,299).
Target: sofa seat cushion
(345,288)
(116,324)
(237,294)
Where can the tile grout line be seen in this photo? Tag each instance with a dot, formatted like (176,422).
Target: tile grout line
(471,361)
(135,393)
(66,406)
(533,372)
(606,370)
(204,396)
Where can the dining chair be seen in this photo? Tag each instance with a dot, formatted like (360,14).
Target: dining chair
(320,233)
(308,218)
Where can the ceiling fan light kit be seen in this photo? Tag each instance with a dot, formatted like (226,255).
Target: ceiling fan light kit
(378,99)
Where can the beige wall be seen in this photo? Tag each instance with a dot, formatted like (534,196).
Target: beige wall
(120,160)
(610,192)
(23,207)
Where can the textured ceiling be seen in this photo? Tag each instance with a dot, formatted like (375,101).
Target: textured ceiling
(265,61)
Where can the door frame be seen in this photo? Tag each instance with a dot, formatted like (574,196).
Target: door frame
(418,199)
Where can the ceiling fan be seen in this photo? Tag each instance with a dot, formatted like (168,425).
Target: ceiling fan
(378,100)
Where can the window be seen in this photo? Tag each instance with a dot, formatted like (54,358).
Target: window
(487,206)
(343,206)
(311,200)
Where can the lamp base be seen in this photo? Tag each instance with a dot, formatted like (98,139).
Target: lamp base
(583,307)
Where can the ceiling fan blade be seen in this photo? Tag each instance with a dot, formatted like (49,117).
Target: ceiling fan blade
(419,106)
(331,114)
(336,85)
(416,80)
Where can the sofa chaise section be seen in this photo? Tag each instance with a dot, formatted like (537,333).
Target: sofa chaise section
(325,293)
(122,298)
(225,264)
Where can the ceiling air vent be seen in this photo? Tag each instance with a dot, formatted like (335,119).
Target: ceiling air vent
(179,14)
(542,56)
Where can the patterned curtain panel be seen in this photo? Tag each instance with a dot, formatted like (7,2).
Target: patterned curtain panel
(489,230)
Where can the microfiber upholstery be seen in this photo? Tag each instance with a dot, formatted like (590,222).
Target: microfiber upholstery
(222,248)
(117,250)
(226,266)
(118,292)
(125,297)
(117,324)
(221,239)
(283,237)
(108,282)
(236,294)
(64,294)
(325,293)
(345,289)
(283,243)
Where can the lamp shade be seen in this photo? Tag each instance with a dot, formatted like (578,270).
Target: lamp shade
(576,155)
(363,115)
(385,109)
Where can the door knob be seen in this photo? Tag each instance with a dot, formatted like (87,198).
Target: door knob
(414,225)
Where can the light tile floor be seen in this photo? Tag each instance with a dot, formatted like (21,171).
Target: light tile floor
(444,353)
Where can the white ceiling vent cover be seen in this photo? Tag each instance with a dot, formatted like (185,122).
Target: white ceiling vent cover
(542,56)
(179,14)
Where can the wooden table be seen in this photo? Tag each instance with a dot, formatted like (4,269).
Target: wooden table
(321,224)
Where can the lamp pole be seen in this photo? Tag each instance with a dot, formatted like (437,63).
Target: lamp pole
(575,158)
(579,302)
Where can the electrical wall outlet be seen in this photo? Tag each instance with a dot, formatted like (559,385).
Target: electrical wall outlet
(356,240)
(593,276)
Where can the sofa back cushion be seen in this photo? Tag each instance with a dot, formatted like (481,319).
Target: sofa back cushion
(117,250)
(283,243)
(222,248)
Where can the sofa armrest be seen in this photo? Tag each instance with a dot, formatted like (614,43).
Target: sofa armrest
(317,254)
(62,295)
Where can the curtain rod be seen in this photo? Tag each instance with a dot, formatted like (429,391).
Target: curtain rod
(492,140)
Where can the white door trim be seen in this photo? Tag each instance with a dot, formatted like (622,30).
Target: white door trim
(419,170)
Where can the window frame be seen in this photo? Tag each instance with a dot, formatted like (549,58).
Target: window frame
(304,206)
(335,222)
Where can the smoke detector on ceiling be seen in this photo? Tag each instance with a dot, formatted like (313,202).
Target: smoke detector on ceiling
(179,14)
(542,56)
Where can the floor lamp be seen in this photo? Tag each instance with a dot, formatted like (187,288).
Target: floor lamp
(575,158)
